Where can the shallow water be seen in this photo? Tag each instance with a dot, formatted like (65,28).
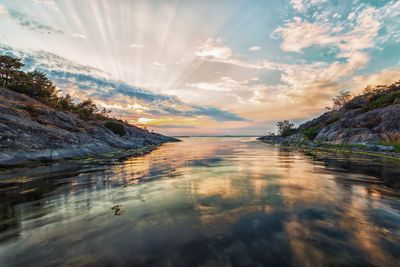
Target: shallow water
(204,202)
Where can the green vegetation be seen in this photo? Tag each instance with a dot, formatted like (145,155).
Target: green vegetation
(384,100)
(115,127)
(32,109)
(285,128)
(340,100)
(36,85)
(310,133)
(395,145)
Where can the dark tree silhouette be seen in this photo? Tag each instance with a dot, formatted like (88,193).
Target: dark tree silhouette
(9,70)
(285,128)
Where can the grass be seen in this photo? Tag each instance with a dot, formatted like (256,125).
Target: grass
(395,145)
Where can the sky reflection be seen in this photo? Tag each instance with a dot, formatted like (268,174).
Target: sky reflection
(203,202)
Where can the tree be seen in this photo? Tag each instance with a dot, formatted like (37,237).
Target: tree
(41,87)
(36,85)
(66,103)
(9,70)
(87,109)
(341,99)
(285,128)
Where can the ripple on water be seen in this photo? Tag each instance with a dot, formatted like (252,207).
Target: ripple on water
(204,202)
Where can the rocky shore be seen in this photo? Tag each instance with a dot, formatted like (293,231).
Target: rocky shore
(368,123)
(31,131)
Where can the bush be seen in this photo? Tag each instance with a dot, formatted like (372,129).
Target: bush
(384,100)
(334,116)
(66,103)
(285,128)
(115,127)
(86,109)
(341,99)
(395,145)
(310,133)
(32,109)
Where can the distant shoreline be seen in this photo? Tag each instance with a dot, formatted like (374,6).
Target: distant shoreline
(230,136)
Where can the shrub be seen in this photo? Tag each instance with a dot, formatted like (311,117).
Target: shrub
(334,116)
(86,109)
(395,145)
(384,100)
(115,127)
(341,99)
(66,103)
(285,128)
(310,133)
(32,109)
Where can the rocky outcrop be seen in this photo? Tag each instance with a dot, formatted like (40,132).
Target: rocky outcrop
(32,131)
(369,119)
(372,127)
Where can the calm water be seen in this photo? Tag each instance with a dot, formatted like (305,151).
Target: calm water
(203,202)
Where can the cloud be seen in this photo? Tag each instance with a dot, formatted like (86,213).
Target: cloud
(254,48)
(213,49)
(169,126)
(78,35)
(49,3)
(3,10)
(303,5)
(319,80)
(299,34)
(310,86)
(299,5)
(226,84)
(158,64)
(84,82)
(138,46)
(30,24)
(386,76)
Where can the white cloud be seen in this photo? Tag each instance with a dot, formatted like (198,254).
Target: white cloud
(219,87)
(139,46)
(78,35)
(243,91)
(299,34)
(303,5)
(310,86)
(254,48)
(158,64)
(3,10)
(213,49)
(49,3)
(299,5)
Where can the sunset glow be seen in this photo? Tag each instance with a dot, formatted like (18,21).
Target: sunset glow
(206,67)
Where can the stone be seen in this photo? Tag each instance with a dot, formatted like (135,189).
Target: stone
(54,134)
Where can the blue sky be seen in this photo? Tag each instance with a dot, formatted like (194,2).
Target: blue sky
(207,67)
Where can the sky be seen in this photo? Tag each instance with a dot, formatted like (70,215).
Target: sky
(207,67)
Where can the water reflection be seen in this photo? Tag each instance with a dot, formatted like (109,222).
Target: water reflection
(204,202)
